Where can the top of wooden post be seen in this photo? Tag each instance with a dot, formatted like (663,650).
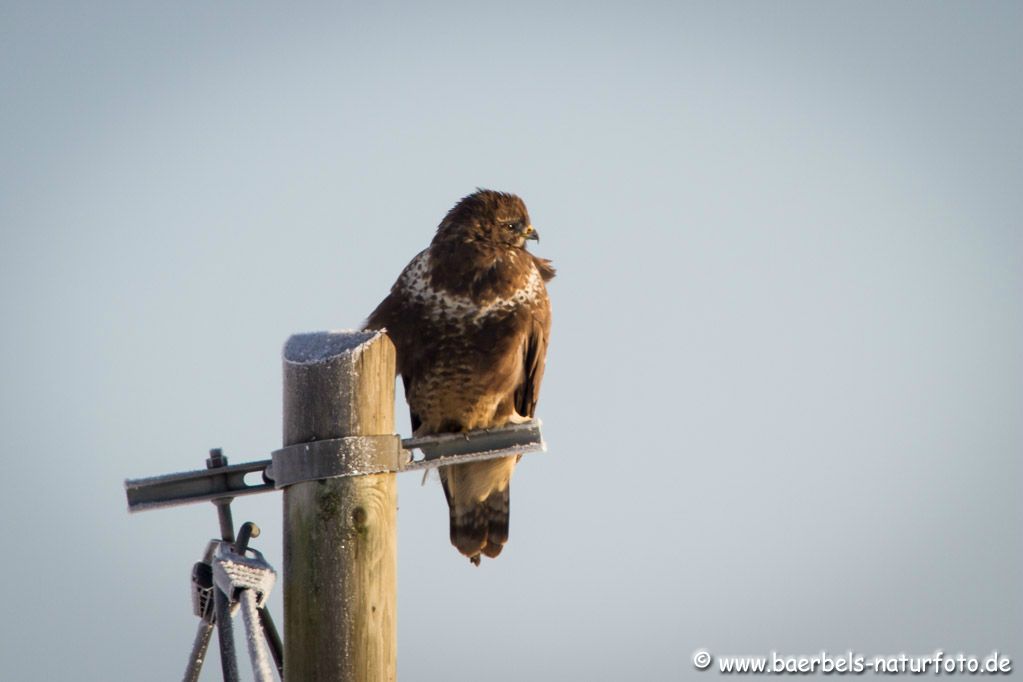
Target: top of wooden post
(314,347)
(338,384)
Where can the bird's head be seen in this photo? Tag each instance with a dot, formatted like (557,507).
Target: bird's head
(488,218)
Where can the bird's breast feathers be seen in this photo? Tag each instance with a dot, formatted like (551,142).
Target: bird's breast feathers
(419,288)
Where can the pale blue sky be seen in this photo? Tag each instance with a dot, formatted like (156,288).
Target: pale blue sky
(784,386)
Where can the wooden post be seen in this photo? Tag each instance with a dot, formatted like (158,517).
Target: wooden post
(340,534)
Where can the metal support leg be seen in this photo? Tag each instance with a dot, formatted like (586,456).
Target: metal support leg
(228,660)
(199,647)
(273,640)
(254,636)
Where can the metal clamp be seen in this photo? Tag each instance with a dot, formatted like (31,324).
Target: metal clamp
(230,577)
(350,456)
(233,572)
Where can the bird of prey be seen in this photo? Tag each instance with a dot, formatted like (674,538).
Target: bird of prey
(470,318)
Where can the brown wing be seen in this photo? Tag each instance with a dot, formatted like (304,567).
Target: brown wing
(527,393)
(388,315)
(490,523)
(393,315)
(413,417)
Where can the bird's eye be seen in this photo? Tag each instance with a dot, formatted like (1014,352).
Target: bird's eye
(510,226)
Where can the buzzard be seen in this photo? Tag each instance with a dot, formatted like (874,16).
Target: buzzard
(470,317)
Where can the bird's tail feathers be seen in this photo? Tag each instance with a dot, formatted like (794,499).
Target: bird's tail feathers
(481,527)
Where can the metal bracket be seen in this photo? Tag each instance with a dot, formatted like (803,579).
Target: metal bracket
(454,448)
(352,456)
(202,485)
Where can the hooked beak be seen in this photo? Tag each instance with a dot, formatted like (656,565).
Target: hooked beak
(531,233)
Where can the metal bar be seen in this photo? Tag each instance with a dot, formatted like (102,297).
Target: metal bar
(217,460)
(454,448)
(225,518)
(224,482)
(443,444)
(194,486)
(198,655)
(225,634)
(254,637)
(273,639)
(448,460)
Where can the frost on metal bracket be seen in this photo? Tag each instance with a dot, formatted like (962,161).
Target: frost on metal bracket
(454,448)
(437,451)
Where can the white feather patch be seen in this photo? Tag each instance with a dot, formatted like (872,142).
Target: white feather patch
(415,281)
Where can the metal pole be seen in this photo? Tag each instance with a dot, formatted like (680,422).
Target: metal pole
(221,602)
(340,544)
(225,636)
(199,647)
(217,460)
(254,637)
(273,639)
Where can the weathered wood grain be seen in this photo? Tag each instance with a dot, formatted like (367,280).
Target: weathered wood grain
(340,548)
